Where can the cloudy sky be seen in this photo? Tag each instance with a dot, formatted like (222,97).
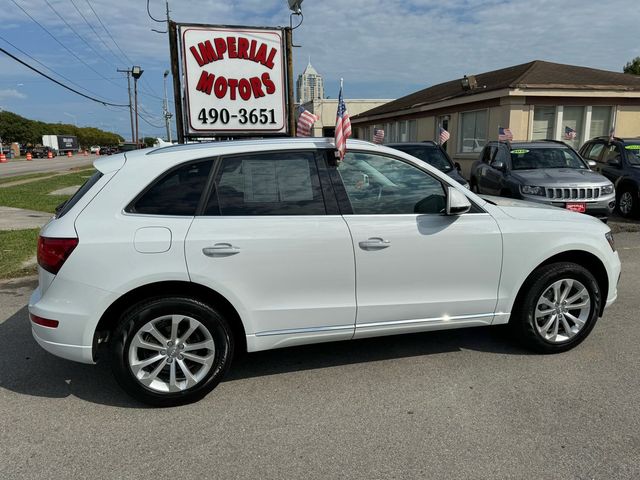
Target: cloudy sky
(382,48)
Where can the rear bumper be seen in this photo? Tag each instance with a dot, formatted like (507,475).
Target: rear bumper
(76,353)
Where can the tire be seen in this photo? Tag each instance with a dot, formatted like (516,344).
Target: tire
(530,329)
(175,349)
(627,202)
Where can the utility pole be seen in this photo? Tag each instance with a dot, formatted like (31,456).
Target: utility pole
(128,72)
(165,108)
(136,73)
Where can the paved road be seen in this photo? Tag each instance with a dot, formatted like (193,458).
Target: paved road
(21,167)
(459,404)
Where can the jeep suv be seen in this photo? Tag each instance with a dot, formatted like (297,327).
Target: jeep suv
(545,171)
(618,159)
(169,260)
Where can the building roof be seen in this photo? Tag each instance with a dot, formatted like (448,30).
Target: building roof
(533,75)
(310,70)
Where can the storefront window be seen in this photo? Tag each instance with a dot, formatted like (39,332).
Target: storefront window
(600,121)
(573,117)
(543,120)
(473,128)
(413,130)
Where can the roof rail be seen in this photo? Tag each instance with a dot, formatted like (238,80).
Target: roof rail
(552,140)
(607,137)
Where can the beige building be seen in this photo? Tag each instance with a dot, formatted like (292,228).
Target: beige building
(327,109)
(536,100)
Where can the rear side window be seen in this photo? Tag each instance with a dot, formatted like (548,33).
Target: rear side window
(593,151)
(284,183)
(63,208)
(175,193)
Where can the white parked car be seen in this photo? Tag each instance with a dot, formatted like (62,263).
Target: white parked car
(94,149)
(169,260)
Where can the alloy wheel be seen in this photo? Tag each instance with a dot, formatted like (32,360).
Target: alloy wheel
(171,353)
(562,310)
(625,204)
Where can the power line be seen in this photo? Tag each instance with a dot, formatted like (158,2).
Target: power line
(47,67)
(75,31)
(95,31)
(151,16)
(63,45)
(60,83)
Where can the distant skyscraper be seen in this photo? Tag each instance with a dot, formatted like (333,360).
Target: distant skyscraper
(310,85)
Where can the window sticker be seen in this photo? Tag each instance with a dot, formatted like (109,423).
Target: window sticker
(632,147)
(520,151)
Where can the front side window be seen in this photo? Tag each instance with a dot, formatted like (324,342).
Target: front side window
(377,184)
(534,158)
(612,153)
(176,193)
(593,152)
(283,183)
(473,128)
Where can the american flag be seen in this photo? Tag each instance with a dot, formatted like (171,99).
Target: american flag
(378,135)
(343,126)
(444,135)
(612,133)
(504,134)
(306,119)
(569,133)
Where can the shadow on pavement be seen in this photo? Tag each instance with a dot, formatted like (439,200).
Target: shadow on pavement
(28,370)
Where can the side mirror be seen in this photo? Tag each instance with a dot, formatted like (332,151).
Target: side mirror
(499,165)
(591,163)
(457,202)
(458,167)
(614,162)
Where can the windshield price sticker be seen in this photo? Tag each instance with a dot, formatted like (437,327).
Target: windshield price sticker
(632,147)
(234,80)
(521,151)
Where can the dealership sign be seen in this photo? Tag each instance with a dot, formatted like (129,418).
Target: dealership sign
(234,80)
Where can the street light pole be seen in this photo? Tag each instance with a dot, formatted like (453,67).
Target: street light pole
(128,72)
(167,114)
(136,73)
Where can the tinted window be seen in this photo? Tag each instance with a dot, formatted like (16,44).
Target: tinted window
(612,153)
(593,151)
(268,184)
(432,155)
(376,184)
(633,153)
(177,193)
(63,208)
(524,158)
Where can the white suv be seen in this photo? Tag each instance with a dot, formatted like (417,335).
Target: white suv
(172,259)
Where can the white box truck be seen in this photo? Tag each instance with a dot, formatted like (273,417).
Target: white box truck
(61,143)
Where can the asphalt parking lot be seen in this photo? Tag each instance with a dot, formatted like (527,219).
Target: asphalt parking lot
(453,404)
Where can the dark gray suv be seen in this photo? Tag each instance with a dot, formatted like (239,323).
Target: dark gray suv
(618,159)
(545,171)
(432,153)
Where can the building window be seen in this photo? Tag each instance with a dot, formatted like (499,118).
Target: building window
(600,121)
(473,131)
(413,130)
(543,122)
(573,117)
(404,131)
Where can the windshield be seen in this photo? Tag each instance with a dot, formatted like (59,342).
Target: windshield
(432,155)
(633,154)
(526,159)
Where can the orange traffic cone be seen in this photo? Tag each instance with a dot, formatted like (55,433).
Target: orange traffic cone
(3,158)
(29,156)
(49,154)
(69,154)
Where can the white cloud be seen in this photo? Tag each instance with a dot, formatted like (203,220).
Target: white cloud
(11,93)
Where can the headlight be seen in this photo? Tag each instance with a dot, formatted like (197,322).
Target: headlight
(531,190)
(607,190)
(609,237)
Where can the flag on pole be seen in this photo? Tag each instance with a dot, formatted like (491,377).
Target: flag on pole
(612,133)
(569,133)
(444,135)
(343,126)
(504,134)
(378,135)
(306,119)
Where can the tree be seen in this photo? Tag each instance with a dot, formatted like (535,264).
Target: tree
(149,141)
(632,67)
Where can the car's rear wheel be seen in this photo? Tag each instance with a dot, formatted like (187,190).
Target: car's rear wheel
(557,308)
(171,351)
(628,202)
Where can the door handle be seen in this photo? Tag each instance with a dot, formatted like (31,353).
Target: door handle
(374,243)
(221,250)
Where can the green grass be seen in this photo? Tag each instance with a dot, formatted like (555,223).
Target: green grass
(35,195)
(29,176)
(16,247)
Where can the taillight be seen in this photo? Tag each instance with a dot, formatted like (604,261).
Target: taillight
(45,322)
(53,252)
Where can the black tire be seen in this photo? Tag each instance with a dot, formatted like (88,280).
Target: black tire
(631,194)
(522,320)
(142,313)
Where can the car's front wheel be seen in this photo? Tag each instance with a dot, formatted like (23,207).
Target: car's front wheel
(171,351)
(628,202)
(557,308)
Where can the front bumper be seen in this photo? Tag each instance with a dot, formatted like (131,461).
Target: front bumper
(601,208)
